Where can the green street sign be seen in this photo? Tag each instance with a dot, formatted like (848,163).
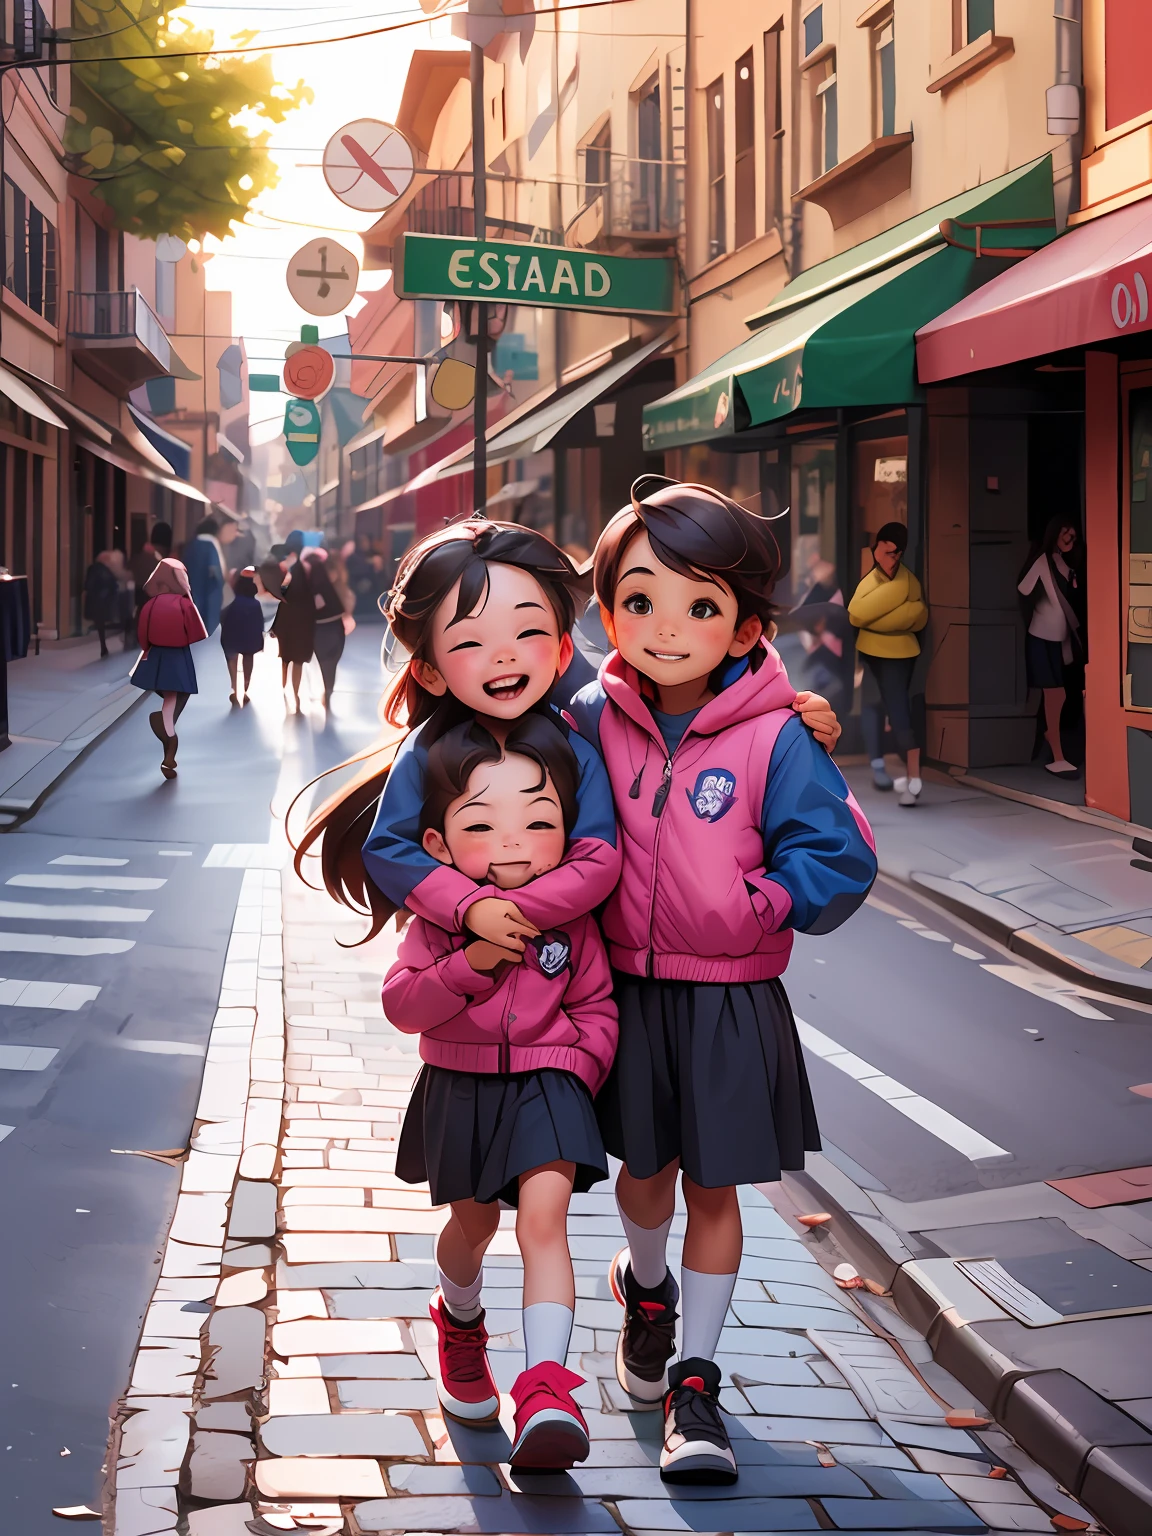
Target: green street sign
(514,272)
(302,431)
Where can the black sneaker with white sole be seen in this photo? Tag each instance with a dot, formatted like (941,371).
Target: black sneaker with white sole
(648,1338)
(696,1446)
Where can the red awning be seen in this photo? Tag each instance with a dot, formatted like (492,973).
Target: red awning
(1090,285)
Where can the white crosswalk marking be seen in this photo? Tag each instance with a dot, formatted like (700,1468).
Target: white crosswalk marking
(1048,988)
(161,1047)
(87,882)
(938,1122)
(174,853)
(25,1058)
(83,858)
(45,912)
(62,944)
(66,995)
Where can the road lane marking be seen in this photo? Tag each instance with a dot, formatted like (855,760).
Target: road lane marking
(174,853)
(88,882)
(244,856)
(965,953)
(1047,990)
(25,1058)
(938,1122)
(6,1130)
(83,858)
(45,912)
(65,995)
(162,1047)
(63,944)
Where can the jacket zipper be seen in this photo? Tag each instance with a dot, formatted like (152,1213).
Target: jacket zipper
(504,1064)
(658,802)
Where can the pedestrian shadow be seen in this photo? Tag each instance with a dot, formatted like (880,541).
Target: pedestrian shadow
(486,1446)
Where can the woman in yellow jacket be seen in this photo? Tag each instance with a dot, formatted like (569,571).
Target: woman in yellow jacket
(889,611)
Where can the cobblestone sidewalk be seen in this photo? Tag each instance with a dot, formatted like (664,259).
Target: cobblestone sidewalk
(310,1356)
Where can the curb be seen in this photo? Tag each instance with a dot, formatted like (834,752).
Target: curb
(1096,1451)
(1047,947)
(27,792)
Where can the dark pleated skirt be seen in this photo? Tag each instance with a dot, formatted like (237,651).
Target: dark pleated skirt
(712,1075)
(471,1135)
(166,669)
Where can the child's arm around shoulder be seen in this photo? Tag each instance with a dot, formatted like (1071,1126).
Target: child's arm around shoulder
(590,869)
(430,982)
(819,852)
(588,998)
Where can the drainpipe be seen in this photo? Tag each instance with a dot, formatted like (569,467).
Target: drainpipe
(794,245)
(1065,99)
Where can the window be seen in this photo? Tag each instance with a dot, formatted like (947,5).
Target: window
(828,137)
(884,80)
(717,208)
(813,30)
(646,197)
(29,253)
(774,127)
(745,189)
(597,163)
(980,17)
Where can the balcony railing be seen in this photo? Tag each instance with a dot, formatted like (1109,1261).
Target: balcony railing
(642,201)
(126,318)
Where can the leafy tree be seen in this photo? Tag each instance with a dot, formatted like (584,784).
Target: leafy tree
(160,136)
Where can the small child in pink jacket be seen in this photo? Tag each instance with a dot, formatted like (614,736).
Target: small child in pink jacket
(514,1046)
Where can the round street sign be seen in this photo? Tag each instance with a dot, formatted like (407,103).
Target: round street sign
(308,372)
(322,277)
(302,431)
(368,165)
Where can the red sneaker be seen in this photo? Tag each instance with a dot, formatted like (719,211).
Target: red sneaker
(466,1388)
(550,1430)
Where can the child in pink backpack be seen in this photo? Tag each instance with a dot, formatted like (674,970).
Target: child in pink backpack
(735,828)
(514,1044)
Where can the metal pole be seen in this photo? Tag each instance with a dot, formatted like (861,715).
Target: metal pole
(480,209)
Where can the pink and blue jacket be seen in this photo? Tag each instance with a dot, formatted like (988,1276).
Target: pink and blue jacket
(553,1009)
(412,878)
(745,833)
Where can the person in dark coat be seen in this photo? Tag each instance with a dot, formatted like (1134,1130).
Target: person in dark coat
(242,631)
(169,627)
(295,627)
(102,596)
(331,607)
(204,562)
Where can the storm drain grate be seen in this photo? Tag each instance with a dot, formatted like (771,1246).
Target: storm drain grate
(1072,1286)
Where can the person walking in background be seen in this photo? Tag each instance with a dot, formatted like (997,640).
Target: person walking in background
(295,627)
(102,596)
(242,631)
(204,561)
(170,624)
(888,610)
(330,596)
(1050,586)
(157,548)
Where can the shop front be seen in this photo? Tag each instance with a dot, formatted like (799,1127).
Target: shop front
(1080,310)
(823,413)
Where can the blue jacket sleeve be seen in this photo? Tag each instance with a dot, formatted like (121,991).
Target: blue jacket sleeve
(816,841)
(393,856)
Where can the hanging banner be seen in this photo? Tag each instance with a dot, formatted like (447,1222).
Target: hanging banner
(515,272)
(302,431)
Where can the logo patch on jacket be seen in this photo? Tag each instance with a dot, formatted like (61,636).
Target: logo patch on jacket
(714,794)
(553,952)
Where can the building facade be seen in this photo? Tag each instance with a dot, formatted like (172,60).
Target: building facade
(855,169)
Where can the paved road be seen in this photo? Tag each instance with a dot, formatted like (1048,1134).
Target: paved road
(113,930)
(1035,1077)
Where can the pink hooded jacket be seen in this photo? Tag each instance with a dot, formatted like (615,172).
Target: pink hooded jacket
(721,858)
(554,1009)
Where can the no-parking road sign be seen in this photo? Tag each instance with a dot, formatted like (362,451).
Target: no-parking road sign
(368,165)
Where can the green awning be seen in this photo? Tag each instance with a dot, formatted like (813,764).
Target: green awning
(843,333)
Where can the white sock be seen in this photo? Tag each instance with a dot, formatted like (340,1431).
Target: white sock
(547,1330)
(463,1301)
(647,1250)
(915,786)
(703,1305)
(900,784)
